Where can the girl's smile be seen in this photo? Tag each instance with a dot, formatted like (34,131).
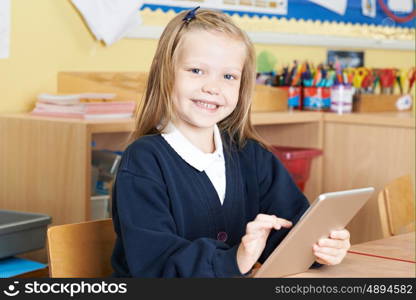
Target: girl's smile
(207,105)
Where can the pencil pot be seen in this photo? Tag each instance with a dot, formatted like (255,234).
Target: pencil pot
(294,94)
(342,98)
(297,161)
(316,98)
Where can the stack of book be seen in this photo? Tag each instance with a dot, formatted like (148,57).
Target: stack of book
(88,106)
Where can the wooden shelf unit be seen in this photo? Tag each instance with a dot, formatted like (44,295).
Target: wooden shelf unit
(46,162)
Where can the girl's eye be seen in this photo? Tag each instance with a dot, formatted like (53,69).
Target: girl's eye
(229,76)
(196,71)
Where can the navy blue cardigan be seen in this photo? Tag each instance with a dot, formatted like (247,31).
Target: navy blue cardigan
(170,222)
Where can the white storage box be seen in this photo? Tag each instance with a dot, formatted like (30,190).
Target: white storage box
(100,207)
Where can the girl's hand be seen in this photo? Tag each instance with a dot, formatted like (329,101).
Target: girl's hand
(253,242)
(332,250)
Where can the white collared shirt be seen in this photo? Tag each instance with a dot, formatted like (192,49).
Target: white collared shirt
(212,163)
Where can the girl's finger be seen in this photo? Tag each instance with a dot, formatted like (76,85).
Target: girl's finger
(284,223)
(272,218)
(329,251)
(255,227)
(340,234)
(321,261)
(261,225)
(338,244)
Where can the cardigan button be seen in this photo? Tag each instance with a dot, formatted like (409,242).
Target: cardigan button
(222,236)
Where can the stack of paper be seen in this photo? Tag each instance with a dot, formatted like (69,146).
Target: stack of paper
(83,106)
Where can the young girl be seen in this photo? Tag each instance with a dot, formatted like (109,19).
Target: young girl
(197,193)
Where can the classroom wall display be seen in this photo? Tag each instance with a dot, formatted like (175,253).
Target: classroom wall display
(269,7)
(296,27)
(368,8)
(109,20)
(371,12)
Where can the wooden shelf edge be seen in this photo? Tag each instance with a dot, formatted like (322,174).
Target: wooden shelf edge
(271,118)
(394,119)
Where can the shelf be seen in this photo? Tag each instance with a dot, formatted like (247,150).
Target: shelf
(126,125)
(392,119)
(395,119)
(270,118)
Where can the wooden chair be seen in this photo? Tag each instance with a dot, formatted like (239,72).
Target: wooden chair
(81,250)
(397,207)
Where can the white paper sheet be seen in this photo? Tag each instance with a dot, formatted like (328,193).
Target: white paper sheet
(278,7)
(109,20)
(403,6)
(338,6)
(368,8)
(5,11)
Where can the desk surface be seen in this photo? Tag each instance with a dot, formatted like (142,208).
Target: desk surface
(397,247)
(357,264)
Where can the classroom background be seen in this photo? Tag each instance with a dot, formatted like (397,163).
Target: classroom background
(50,165)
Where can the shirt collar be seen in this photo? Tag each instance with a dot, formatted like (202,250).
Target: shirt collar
(190,153)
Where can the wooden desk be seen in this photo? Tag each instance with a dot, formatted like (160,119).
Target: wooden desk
(359,265)
(396,247)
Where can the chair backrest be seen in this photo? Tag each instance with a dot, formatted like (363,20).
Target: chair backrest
(81,249)
(397,207)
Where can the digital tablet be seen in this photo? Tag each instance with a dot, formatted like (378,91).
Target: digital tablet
(330,211)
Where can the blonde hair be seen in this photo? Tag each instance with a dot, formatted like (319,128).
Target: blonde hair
(156,107)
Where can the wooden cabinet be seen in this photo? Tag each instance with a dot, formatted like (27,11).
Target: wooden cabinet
(368,149)
(46,162)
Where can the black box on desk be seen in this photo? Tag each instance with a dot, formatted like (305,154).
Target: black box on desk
(22,232)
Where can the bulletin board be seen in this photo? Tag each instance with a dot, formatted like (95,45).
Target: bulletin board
(279,21)
(300,10)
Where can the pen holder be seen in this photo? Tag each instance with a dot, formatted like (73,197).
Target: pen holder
(316,98)
(342,98)
(294,95)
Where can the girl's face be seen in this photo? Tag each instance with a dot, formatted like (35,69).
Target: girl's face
(207,78)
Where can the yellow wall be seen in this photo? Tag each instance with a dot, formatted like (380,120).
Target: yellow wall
(49,36)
